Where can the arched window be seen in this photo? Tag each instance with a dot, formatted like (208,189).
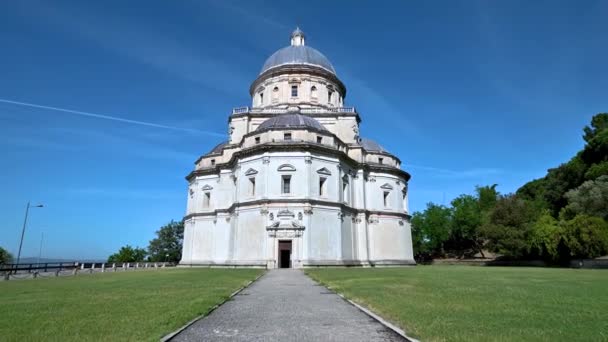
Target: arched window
(313,92)
(294,91)
(261,98)
(329,96)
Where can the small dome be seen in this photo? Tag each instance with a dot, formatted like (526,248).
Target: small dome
(298,54)
(291,121)
(370,145)
(218,148)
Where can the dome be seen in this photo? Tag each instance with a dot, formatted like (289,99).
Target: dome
(218,148)
(298,54)
(370,145)
(291,121)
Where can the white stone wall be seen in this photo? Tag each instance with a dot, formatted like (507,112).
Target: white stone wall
(337,228)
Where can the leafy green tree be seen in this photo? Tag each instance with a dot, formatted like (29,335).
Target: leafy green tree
(599,123)
(431,229)
(562,179)
(128,254)
(5,256)
(487,197)
(509,227)
(586,236)
(545,237)
(591,198)
(167,246)
(597,170)
(466,222)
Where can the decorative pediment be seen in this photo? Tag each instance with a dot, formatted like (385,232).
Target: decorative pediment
(387,186)
(324,171)
(250,172)
(285,213)
(286,167)
(207,187)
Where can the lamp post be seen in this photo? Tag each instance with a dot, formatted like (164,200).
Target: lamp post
(27,209)
(40,250)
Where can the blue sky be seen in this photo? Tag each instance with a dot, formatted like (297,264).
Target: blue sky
(464,92)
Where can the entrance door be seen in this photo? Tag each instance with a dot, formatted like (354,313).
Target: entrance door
(285,254)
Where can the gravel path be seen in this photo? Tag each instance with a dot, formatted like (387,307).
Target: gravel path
(286,305)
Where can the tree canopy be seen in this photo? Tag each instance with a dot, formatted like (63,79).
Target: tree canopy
(167,246)
(5,257)
(560,216)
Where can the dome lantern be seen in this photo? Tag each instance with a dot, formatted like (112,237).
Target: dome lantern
(297,37)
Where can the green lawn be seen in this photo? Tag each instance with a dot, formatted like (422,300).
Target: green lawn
(129,306)
(467,303)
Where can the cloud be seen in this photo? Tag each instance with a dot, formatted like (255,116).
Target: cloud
(128,193)
(447,173)
(112,118)
(146,45)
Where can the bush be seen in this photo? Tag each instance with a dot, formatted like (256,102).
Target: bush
(586,236)
(5,257)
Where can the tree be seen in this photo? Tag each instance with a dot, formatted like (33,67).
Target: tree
(431,229)
(599,123)
(128,254)
(545,237)
(5,257)
(487,197)
(466,221)
(591,198)
(586,236)
(509,227)
(167,246)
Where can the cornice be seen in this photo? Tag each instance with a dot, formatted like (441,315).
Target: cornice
(299,147)
(310,201)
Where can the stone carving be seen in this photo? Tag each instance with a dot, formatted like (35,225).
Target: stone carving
(401,222)
(286,167)
(300,216)
(250,172)
(371,179)
(387,186)
(191,193)
(308,160)
(308,209)
(285,213)
(266,160)
(207,187)
(271,216)
(373,219)
(324,171)
(264,210)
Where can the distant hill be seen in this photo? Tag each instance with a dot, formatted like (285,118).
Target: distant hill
(33,260)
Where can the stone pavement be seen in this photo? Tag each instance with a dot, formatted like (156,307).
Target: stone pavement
(286,305)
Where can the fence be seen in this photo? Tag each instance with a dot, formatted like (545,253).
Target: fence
(45,270)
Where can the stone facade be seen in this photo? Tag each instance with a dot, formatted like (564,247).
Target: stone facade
(295,171)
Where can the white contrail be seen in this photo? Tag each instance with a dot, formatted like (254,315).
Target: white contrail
(113,118)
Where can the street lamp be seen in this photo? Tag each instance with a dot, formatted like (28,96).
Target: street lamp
(27,209)
(40,250)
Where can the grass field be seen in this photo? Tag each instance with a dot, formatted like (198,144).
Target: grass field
(129,306)
(466,303)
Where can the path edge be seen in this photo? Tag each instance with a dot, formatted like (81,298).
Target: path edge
(171,335)
(370,313)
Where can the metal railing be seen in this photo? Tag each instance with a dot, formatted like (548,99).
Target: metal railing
(23,271)
(315,110)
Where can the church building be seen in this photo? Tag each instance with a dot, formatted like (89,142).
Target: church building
(295,185)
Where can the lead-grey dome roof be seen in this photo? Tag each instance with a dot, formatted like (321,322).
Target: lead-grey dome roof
(370,145)
(218,148)
(298,55)
(291,121)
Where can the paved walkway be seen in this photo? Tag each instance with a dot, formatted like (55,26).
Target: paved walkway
(286,305)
